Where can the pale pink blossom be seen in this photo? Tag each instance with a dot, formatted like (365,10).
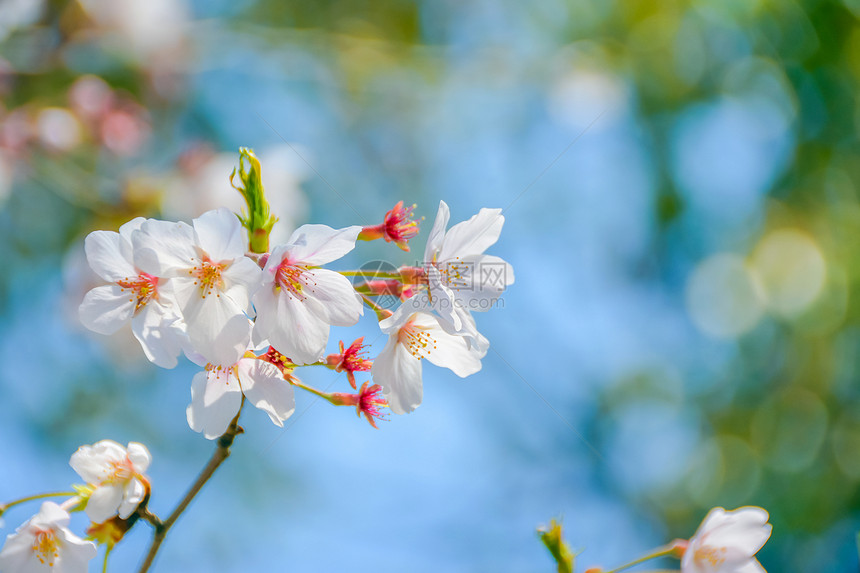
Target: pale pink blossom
(460,277)
(298,301)
(118,476)
(45,543)
(212,279)
(216,394)
(412,338)
(727,541)
(146,300)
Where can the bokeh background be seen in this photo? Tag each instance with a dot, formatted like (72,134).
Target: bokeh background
(680,185)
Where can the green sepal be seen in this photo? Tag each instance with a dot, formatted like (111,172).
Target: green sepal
(84,492)
(552,538)
(258,220)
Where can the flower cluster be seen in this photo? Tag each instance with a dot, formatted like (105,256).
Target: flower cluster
(249,315)
(116,490)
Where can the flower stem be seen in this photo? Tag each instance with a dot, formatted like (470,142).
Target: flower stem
(659,552)
(381,313)
(5,506)
(222,452)
(107,554)
(372,274)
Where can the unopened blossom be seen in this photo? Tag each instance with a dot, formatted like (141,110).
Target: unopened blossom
(398,227)
(298,302)
(117,475)
(45,543)
(211,276)
(727,541)
(411,338)
(350,360)
(459,277)
(216,394)
(146,300)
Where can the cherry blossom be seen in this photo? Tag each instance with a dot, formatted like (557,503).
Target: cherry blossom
(298,302)
(117,476)
(144,299)
(45,543)
(727,541)
(411,338)
(211,277)
(460,277)
(216,394)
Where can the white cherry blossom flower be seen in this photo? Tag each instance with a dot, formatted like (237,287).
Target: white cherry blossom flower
(118,476)
(727,541)
(460,277)
(211,276)
(299,302)
(216,394)
(411,338)
(133,295)
(45,543)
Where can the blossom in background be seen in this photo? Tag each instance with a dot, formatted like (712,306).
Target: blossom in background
(216,394)
(212,279)
(460,277)
(44,543)
(145,299)
(727,541)
(411,338)
(117,475)
(298,302)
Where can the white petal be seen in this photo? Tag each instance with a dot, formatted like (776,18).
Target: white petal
(164,248)
(94,463)
(104,502)
(752,566)
(399,374)
(106,256)
(133,493)
(139,456)
(50,514)
(343,306)
(320,244)
(220,234)
(106,308)
(742,532)
(480,280)
(242,279)
(437,233)
(266,388)
(157,329)
(474,236)
(449,351)
(215,401)
(75,553)
(17,550)
(216,327)
(127,230)
(295,328)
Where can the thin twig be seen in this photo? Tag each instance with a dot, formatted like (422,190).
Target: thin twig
(222,452)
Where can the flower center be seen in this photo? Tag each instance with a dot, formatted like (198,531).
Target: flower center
(221,373)
(144,288)
(46,546)
(416,339)
(122,471)
(293,279)
(208,277)
(713,555)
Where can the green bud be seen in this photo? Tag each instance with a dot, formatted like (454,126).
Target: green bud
(84,492)
(258,221)
(551,537)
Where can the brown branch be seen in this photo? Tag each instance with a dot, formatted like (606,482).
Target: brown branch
(222,452)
